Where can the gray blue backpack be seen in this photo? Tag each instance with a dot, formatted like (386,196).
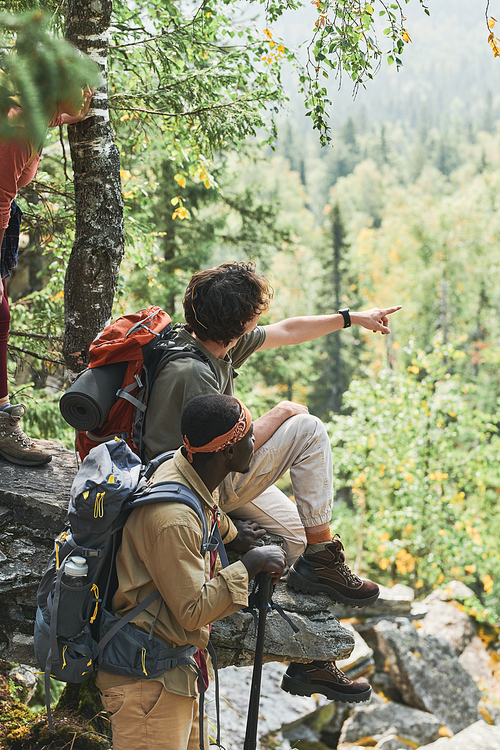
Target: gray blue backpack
(75,631)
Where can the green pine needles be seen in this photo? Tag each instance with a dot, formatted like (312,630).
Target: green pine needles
(37,72)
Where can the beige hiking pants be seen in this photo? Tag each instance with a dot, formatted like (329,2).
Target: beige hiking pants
(145,716)
(302,445)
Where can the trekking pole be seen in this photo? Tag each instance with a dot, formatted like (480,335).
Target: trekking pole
(263,603)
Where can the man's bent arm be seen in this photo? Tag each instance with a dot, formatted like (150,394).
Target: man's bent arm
(264,427)
(298,330)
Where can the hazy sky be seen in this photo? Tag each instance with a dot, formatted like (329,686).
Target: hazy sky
(448,66)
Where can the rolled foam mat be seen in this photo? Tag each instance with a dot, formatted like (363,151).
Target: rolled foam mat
(87,402)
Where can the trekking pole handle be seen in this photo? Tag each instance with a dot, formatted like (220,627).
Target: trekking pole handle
(264,592)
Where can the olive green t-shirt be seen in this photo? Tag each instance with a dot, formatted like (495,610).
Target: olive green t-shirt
(185,378)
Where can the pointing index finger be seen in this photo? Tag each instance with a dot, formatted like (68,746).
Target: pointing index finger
(390,310)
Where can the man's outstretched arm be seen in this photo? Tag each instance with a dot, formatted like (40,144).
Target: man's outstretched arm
(306,328)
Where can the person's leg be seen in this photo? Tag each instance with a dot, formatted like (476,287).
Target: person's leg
(15,446)
(301,445)
(144,716)
(4,336)
(276,513)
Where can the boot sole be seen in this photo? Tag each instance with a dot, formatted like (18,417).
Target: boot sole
(300,584)
(295,687)
(19,462)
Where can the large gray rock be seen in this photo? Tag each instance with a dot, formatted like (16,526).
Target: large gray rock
(320,634)
(428,674)
(33,505)
(379,721)
(478,736)
(38,497)
(447,621)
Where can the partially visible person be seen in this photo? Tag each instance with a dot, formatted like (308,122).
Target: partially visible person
(19,162)
(160,550)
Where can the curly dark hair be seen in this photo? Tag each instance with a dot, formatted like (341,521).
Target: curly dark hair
(207,416)
(219,302)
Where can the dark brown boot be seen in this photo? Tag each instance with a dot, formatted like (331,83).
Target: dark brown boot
(325,572)
(326,678)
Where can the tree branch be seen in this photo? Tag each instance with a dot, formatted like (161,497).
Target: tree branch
(36,356)
(39,336)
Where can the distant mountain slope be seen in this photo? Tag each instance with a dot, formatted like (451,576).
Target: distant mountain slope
(449,68)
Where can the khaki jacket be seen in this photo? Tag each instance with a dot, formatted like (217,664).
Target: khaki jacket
(161,550)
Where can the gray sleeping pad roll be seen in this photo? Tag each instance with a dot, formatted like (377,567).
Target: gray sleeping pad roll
(87,402)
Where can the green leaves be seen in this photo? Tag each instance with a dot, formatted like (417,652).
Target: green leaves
(418,458)
(344,39)
(37,72)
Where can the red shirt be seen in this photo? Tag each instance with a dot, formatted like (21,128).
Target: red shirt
(16,170)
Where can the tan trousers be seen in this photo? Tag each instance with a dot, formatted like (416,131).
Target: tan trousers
(144,716)
(301,445)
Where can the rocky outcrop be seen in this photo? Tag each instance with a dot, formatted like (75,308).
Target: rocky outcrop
(428,674)
(33,505)
(380,721)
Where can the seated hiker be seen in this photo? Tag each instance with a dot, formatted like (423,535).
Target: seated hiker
(161,550)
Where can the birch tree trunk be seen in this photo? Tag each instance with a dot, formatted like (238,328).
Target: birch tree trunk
(93,267)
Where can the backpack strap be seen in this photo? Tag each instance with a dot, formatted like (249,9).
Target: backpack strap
(164,352)
(171,492)
(155,463)
(126,618)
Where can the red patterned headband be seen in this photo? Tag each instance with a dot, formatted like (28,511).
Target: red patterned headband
(234,435)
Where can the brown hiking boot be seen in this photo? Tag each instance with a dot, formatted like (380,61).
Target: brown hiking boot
(15,446)
(326,678)
(325,572)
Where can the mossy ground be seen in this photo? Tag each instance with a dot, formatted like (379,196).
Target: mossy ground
(21,728)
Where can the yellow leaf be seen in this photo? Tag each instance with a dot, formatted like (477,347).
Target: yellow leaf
(486,715)
(268,33)
(384,563)
(180,213)
(491,23)
(488,583)
(175,201)
(180,180)
(368,9)
(125,174)
(445,732)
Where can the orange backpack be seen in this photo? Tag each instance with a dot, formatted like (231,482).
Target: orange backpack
(144,343)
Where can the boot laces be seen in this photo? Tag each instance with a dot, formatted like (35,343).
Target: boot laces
(351,577)
(12,431)
(331,667)
(341,566)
